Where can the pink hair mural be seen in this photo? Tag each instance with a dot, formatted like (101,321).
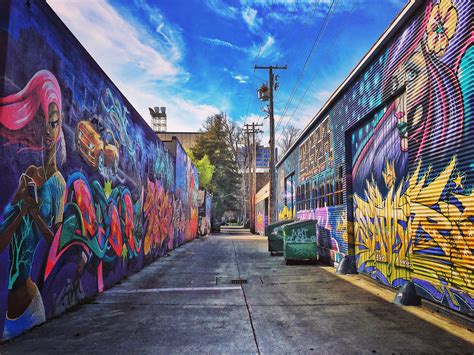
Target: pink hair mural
(18,110)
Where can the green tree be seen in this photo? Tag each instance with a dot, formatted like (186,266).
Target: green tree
(205,170)
(225,182)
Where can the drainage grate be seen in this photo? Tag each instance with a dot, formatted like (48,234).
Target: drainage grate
(238,282)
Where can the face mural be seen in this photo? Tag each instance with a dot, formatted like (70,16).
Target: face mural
(89,192)
(412,169)
(393,186)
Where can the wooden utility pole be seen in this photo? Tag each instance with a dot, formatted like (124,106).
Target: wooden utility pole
(248,154)
(252,172)
(272,200)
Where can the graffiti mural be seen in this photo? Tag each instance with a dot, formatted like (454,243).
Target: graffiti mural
(187,190)
(205,209)
(381,205)
(288,177)
(90,194)
(439,113)
(403,171)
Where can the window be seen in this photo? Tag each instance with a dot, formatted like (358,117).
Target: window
(308,195)
(298,198)
(314,201)
(329,192)
(290,191)
(339,188)
(321,194)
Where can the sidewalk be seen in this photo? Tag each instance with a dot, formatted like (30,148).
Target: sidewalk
(187,303)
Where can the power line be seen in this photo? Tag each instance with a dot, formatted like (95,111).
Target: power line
(312,80)
(253,81)
(306,29)
(300,76)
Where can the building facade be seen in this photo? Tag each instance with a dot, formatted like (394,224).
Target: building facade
(386,166)
(89,194)
(187,139)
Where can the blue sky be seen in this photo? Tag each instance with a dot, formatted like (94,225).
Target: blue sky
(196,57)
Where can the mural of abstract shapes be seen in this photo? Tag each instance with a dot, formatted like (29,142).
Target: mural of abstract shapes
(260,222)
(381,206)
(158,212)
(100,224)
(98,150)
(442,223)
(381,236)
(286,213)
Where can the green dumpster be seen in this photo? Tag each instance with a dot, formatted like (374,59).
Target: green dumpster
(299,240)
(275,237)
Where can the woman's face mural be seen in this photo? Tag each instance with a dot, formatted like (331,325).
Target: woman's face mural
(53,127)
(413,76)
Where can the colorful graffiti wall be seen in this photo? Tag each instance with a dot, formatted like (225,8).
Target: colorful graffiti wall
(399,194)
(287,177)
(187,204)
(262,209)
(205,212)
(261,216)
(89,194)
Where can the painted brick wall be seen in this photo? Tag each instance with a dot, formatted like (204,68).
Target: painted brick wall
(89,193)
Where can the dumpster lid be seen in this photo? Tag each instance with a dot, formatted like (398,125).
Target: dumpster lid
(281,222)
(301,222)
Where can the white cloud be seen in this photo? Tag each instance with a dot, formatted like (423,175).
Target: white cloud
(249,15)
(168,38)
(222,9)
(252,118)
(241,78)
(304,11)
(112,41)
(221,43)
(322,95)
(183,114)
(120,49)
(266,48)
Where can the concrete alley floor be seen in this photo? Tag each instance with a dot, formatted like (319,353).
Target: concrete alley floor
(186,303)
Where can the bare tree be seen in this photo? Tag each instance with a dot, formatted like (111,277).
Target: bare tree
(234,136)
(288,137)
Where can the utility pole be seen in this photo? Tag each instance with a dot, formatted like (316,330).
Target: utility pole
(244,193)
(272,216)
(253,174)
(248,154)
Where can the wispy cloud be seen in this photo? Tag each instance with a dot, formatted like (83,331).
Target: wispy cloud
(120,49)
(221,43)
(183,114)
(222,9)
(241,78)
(249,15)
(288,11)
(266,48)
(112,41)
(167,36)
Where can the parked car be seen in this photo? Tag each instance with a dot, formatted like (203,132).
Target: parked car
(99,150)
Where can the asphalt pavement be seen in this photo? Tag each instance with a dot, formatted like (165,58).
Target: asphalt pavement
(196,301)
